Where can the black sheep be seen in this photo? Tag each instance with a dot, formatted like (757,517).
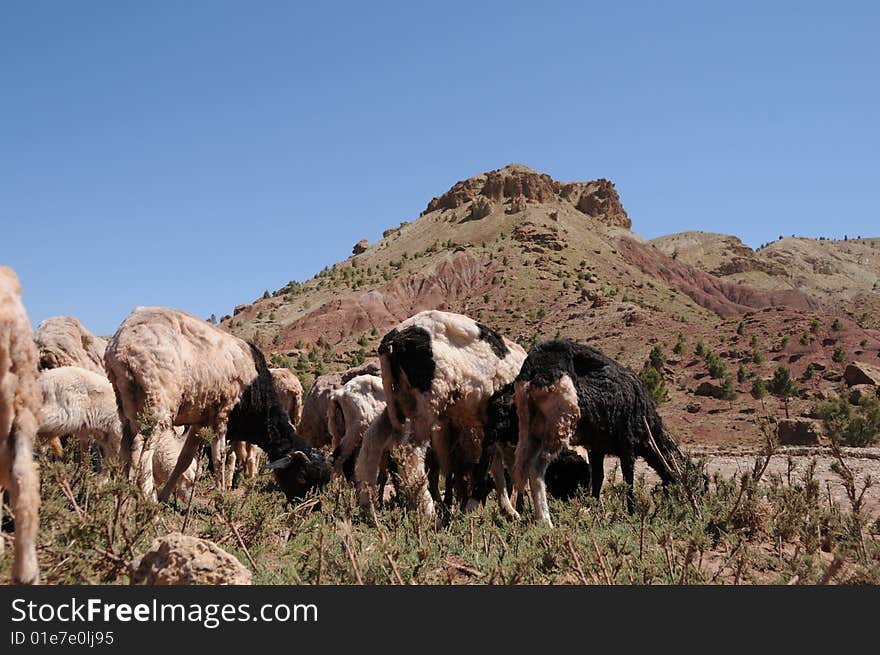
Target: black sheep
(568,391)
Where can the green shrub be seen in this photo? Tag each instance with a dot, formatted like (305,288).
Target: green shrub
(851,425)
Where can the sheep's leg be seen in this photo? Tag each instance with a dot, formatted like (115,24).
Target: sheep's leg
(24,496)
(627,468)
(414,480)
(366,469)
(504,500)
(218,451)
(433,471)
(537,468)
(597,471)
(232,458)
(253,461)
(184,459)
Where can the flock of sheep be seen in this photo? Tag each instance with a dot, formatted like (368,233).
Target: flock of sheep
(450,397)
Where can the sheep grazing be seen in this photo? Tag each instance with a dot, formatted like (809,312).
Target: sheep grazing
(63,341)
(566,474)
(352,409)
(439,370)
(20,401)
(290,393)
(313,425)
(81,403)
(169,367)
(567,392)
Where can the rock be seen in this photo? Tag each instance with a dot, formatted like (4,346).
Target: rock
(861,373)
(480,208)
(596,297)
(517,205)
(178,559)
(709,390)
(799,432)
(597,199)
(859,391)
(693,408)
(360,246)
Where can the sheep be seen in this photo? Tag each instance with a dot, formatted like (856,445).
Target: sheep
(313,425)
(169,367)
(82,403)
(439,370)
(20,402)
(567,473)
(290,393)
(63,341)
(352,409)
(567,392)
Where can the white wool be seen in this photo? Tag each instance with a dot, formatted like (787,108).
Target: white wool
(20,401)
(63,341)
(81,403)
(184,371)
(467,373)
(351,410)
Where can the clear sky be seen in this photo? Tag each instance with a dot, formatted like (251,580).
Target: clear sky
(193,154)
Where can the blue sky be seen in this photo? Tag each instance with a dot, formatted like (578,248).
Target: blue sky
(194,154)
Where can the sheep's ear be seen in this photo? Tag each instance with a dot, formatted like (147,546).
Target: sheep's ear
(282,463)
(300,456)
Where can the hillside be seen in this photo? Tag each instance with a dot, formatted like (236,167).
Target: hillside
(843,276)
(537,258)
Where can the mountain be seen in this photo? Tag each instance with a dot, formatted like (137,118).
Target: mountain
(538,258)
(842,276)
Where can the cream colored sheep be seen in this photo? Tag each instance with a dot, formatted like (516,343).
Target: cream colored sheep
(169,367)
(439,370)
(81,403)
(352,408)
(63,341)
(290,393)
(20,401)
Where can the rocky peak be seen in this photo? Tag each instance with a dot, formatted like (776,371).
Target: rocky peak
(597,199)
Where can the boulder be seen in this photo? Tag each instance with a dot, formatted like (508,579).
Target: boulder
(178,559)
(859,391)
(799,432)
(360,246)
(709,390)
(861,373)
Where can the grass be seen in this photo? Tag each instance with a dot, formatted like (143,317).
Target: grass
(754,528)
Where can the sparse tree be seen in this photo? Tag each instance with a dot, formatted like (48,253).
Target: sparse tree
(759,392)
(783,386)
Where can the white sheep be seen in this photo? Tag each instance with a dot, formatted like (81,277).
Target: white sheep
(81,403)
(169,368)
(351,410)
(63,341)
(313,425)
(439,370)
(20,401)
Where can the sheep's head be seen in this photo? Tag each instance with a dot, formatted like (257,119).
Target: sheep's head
(300,472)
